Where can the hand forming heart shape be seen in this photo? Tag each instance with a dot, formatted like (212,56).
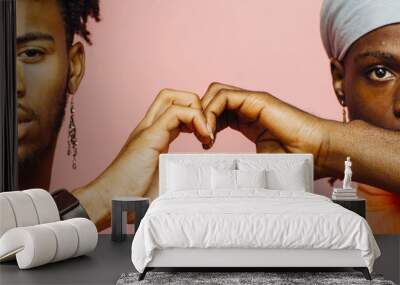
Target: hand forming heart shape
(274,126)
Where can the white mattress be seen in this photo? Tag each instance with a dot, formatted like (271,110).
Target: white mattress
(251,218)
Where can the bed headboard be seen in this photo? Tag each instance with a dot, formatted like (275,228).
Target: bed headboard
(214,157)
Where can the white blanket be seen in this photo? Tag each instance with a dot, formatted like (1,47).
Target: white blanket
(250,218)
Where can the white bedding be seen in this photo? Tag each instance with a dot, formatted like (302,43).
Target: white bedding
(251,218)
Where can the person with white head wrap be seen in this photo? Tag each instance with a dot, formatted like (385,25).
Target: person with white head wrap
(362,40)
(345,21)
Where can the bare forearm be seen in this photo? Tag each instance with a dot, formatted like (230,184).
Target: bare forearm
(134,170)
(132,179)
(375,154)
(95,205)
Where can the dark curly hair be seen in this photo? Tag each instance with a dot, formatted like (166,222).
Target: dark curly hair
(76,14)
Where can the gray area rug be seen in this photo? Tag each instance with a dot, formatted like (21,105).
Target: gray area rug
(225,278)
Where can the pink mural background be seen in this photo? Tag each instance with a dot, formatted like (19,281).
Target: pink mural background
(143,46)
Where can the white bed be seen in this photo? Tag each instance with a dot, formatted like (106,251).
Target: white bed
(200,225)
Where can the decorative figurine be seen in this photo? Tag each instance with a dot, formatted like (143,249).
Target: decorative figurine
(347,174)
(346,192)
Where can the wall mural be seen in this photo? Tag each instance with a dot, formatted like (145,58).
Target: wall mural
(104,88)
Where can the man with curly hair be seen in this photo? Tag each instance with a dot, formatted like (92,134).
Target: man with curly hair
(50,65)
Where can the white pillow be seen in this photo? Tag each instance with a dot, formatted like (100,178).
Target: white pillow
(186,175)
(236,179)
(281,174)
(289,179)
(223,179)
(251,178)
(182,177)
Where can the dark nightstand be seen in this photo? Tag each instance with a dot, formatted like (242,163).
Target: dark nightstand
(120,206)
(357,205)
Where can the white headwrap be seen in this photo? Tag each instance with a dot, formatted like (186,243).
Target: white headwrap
(345,21)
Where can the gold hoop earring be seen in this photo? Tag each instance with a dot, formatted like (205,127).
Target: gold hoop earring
(72,139)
